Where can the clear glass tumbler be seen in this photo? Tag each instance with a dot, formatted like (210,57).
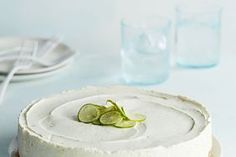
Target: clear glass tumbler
(145,50)
(198,35)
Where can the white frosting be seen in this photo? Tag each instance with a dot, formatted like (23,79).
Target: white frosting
(173,123)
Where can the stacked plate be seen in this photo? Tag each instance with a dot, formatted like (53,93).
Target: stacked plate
(58,57)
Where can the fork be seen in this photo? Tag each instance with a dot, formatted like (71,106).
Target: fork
(50,45)
(21,63)
(46,48)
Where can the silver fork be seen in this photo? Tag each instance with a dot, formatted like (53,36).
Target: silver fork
(21,63)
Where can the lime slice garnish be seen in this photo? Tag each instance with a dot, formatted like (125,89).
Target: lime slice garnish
(137,117)
(125,124)
(96,122)
(108,109)
(113,103)
(111,117)
(121,110)
(89,113)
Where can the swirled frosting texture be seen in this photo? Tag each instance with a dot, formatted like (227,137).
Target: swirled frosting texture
(171,122)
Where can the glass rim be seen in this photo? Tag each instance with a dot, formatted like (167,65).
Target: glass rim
(137,22)
(198,8)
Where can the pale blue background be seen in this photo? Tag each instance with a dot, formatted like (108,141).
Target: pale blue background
(92,27)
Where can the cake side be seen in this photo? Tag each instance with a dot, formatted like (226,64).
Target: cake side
(196,143)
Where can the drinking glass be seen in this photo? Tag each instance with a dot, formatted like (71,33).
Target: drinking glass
(145,49)
(198,35)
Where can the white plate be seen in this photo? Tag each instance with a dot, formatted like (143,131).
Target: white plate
(61,55)
(19,78)
(216,150)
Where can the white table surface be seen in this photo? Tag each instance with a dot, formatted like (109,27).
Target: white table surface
(214,87)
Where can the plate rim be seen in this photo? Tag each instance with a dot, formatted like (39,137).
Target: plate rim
(21,78)
(48,69)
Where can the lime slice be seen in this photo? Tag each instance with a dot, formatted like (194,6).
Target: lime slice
(88,113)
(121,110)
(137,117)
(114,104)
(96,122)
(111,117)
(108,109)
(124,114)
(108,115)
(125,124)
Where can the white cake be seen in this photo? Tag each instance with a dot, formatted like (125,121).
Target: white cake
(174,127)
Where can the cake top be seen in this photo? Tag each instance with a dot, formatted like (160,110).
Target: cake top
(169,120)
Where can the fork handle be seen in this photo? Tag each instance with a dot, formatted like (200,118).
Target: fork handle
(6,82)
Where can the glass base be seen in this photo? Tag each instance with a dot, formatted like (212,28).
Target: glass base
(196,66)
